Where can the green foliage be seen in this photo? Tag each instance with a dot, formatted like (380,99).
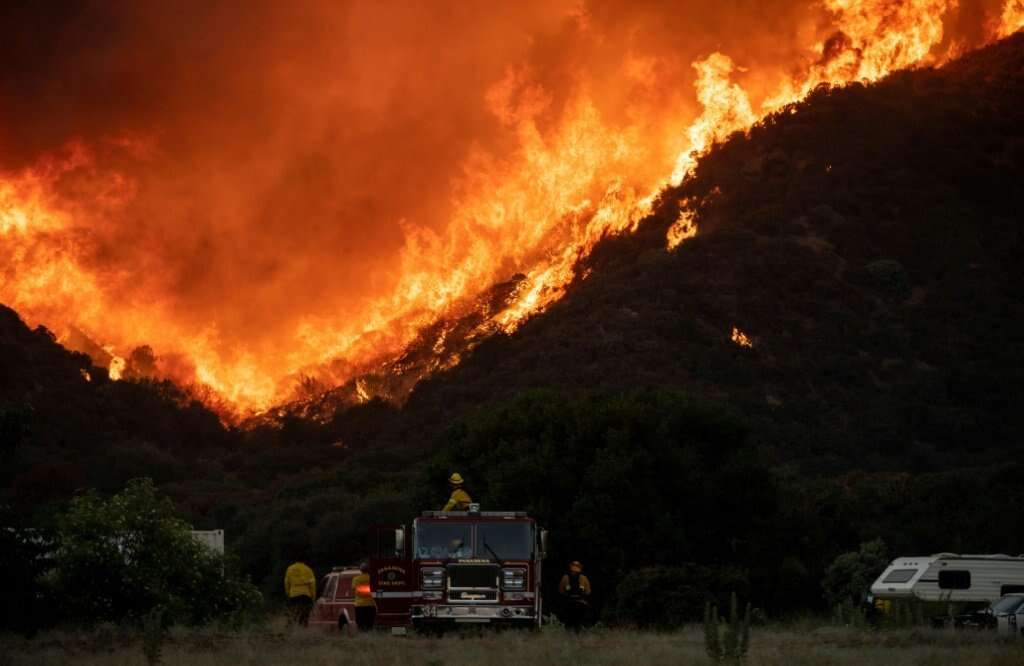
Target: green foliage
(732,645)
(631,480)
(667,597)
(119,558)
(848,579)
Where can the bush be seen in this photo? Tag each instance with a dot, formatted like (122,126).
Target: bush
(668,597)
(732,646)
(848,579)
(117,559)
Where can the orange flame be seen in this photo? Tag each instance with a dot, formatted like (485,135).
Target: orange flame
(684,227)
(573,178)
(741,338)
(1012,18)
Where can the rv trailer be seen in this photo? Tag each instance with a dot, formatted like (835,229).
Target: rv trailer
(212,539)
(951,577)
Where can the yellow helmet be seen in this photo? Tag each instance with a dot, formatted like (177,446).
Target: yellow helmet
(455,479)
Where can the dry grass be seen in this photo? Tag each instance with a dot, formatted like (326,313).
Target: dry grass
(276,645)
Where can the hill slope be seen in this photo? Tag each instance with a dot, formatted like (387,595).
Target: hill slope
(867,240)
(64,425)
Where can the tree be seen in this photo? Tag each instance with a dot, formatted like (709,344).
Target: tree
(119,558)
(848,579)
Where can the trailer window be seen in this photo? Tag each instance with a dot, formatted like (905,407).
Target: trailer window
(443,540)
(955,580)
(509,541)
(899,576)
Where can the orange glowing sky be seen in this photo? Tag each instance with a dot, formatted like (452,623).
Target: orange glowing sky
(260,190)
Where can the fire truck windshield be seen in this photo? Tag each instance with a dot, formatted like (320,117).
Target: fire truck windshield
(444,540)
(509,541)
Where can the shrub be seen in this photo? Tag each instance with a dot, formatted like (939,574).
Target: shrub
(668,597)
(849,577)
(117,559)
(732,645)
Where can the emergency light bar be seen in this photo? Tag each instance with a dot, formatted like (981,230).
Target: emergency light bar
(482,514)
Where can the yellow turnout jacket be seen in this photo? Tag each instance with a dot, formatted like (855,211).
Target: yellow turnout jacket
(299,581)
(565,587)
(459,501)
(361,586)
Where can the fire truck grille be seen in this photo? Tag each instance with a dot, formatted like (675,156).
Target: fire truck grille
(473,595)
(473,575)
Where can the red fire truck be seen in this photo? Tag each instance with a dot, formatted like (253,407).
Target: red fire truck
(458,567)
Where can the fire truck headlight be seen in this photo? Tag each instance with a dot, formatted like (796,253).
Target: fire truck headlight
(513,579)
(433,579)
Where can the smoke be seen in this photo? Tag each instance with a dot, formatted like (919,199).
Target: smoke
(257,166)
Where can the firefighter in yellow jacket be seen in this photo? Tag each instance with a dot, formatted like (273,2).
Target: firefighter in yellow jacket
(575,590)
(460,499)
(300,588)
(366,607)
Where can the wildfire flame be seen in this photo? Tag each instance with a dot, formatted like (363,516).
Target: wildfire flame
(683,228)
(1012,18)
(573,177)
(741,338)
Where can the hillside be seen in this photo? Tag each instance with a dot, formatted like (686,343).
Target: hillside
(868,242)
(64,425)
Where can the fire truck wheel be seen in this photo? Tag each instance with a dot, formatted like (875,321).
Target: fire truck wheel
(342,622)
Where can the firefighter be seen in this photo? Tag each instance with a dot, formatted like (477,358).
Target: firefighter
(300,588)
(366,607)
(575,591)
(460,499)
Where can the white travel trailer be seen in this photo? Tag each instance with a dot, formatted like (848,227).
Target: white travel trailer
(951,577)
(212,539)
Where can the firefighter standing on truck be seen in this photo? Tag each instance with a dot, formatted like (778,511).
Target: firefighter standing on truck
(460,499)
(300,588)
(575,591)
(366,607)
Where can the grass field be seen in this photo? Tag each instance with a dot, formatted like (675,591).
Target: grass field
(789,646)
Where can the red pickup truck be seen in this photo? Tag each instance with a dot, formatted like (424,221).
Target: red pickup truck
(335,607)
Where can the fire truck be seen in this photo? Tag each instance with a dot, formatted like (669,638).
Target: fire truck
(458,567)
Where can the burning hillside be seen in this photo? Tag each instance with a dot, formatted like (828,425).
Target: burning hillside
(343,199)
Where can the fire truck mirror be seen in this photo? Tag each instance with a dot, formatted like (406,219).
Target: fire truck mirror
(543,543)
(400,541)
